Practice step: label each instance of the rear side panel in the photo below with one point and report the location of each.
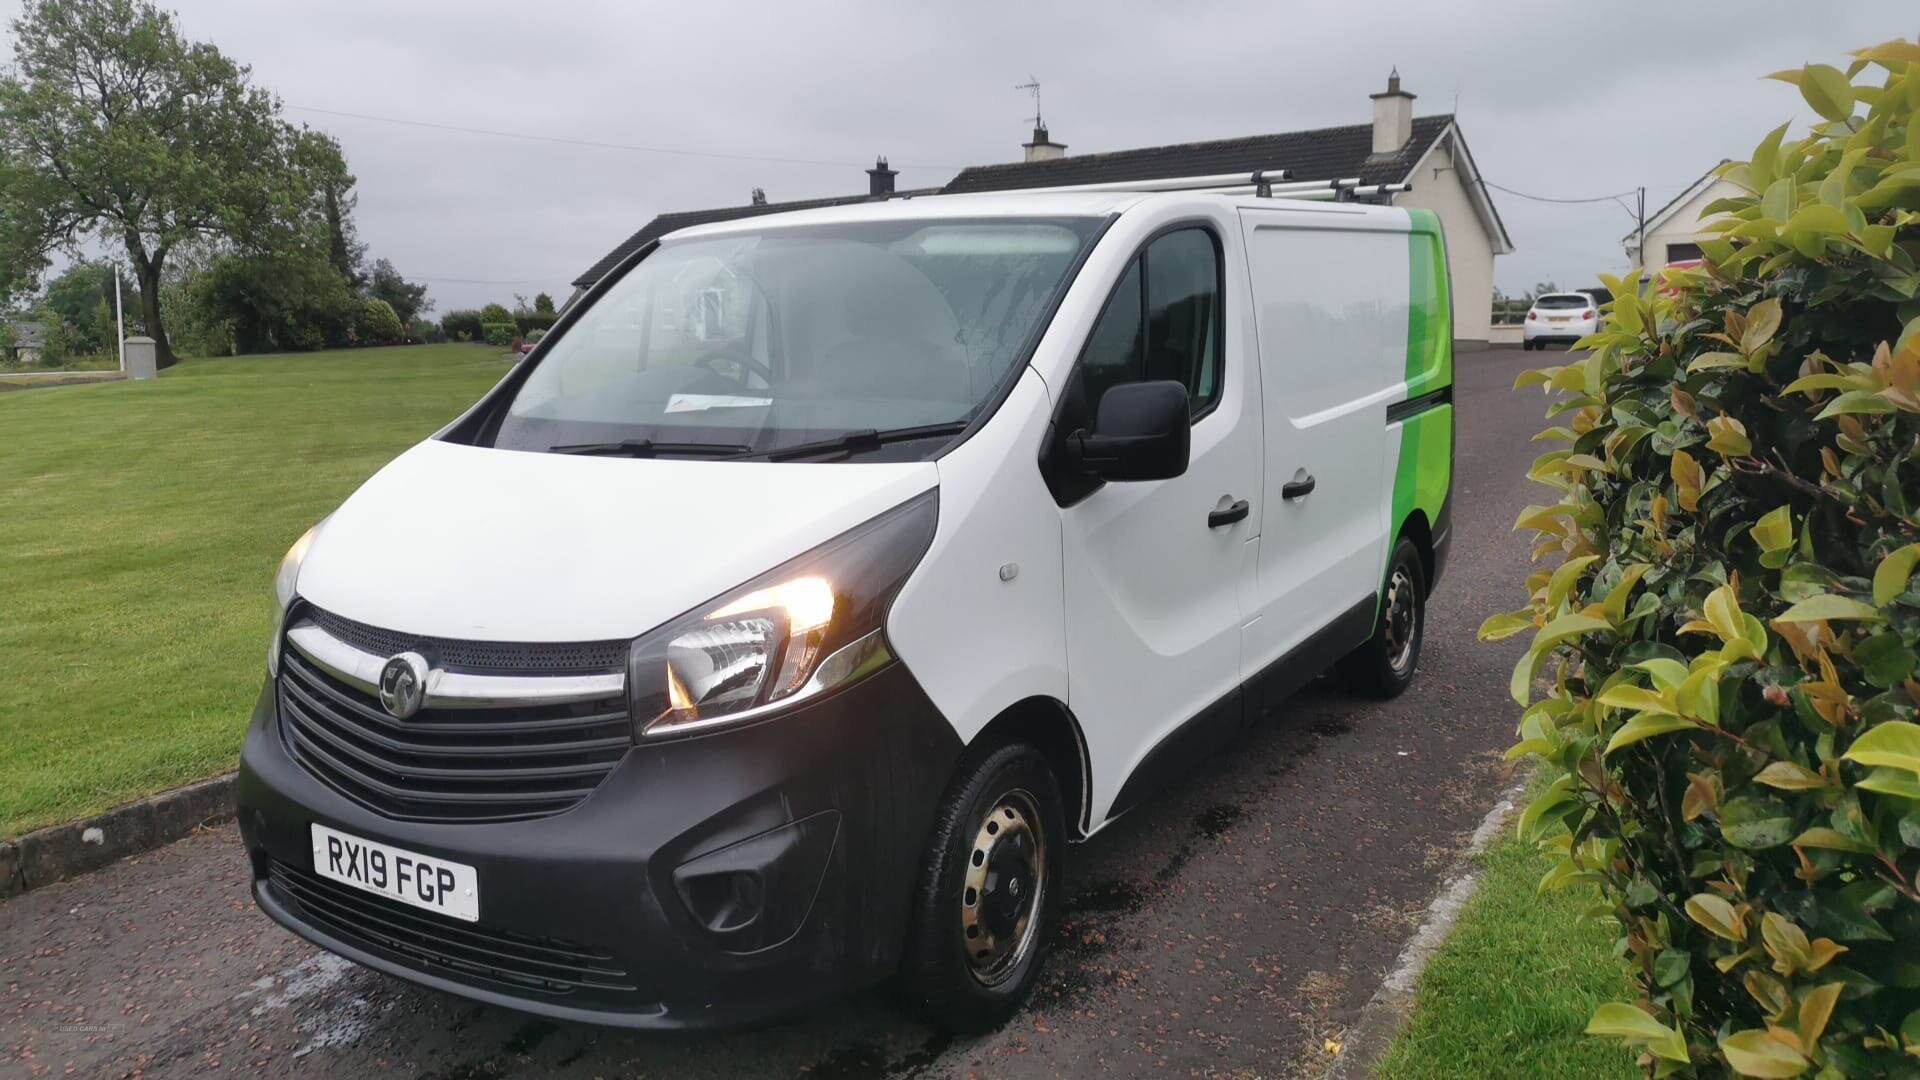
(1422, 426)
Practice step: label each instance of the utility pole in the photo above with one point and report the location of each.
(1640, 229)
(119, 318)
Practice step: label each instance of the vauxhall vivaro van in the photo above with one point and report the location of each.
(774, 625)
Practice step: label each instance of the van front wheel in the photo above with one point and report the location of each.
(988, 895)
(1384, 666)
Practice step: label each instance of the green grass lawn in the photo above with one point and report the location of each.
(1513, 986)
(140, 525)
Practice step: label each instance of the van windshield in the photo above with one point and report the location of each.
(753, 343)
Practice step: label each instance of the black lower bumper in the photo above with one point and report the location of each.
(708, 882)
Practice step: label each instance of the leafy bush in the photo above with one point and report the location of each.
(462, 325)
(425, 332)
(378, 325)
(500, 333)
(1728, 642)
(495, 313)
(529, 321)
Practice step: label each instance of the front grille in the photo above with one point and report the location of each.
(466, 952)
(448, 765)
(476, 657)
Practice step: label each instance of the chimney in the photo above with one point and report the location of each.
(759, 196)
(880, 178)
(1392, 117)
(1043, 148)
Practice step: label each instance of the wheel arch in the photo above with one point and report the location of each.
(1418, 529)
(1050, 727)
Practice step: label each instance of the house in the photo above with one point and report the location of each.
(1674, 232)
(1427, 152)
(23, 346)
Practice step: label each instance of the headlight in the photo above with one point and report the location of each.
(285, 582)
(799, 630)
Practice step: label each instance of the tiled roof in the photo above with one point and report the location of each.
(1322, 154)
(666, 223)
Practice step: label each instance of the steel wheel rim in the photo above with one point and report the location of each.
(1005, 887)
(1400, 624)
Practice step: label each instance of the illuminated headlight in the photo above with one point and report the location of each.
(285, 587)
(807, 627)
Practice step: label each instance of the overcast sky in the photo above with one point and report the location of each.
(1555, 99)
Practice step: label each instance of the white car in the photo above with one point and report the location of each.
(1561, 318)
(773, 627)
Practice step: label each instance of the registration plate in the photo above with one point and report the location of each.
(424, 881)
(1559, 318)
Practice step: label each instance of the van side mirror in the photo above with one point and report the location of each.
(1141, 431)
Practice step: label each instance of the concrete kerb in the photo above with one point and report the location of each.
(59, 852)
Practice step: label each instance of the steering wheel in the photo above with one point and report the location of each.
(734, 356)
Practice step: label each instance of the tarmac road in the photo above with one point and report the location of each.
(1227, 927)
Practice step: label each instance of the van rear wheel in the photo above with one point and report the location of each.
(1384, 666)
(988, 894)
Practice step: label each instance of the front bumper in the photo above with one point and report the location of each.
(708, 882)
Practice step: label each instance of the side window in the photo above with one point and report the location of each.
(1161, 322)
(1183, 313)
(1113, 352)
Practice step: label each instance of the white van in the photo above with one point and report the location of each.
(772, 628)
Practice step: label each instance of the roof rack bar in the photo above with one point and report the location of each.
(1173, 183)
(1263, 183)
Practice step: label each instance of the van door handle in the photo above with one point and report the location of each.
(1236, 512)
(1296, 489)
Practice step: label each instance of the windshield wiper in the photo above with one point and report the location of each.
(866, 439)
(646, 448)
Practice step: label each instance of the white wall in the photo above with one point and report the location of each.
(1469, 248)
(1682, 226)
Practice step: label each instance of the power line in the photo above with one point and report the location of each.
(1545, 199)
(564, 141)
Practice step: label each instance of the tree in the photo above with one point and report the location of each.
(83, 297)
(113, 125)
(378, 325)
(289, 301)
(543, 303)
(322, 168)
(405, 298)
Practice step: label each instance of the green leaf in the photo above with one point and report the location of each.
(1615, 605)
(1774, 530)
(1776, 200)
(1717, 916)
(1559, 794)
(1828, 90)
(1885, 659)
(1506, 624)
(1629, 1023)
(1763, 319)
(1564, 577)
(1722, 610)
(1855, 401)
(1831, 839)
(1829, 380)
(1824, 606)
(1755, 1053)
(1790, 777)
(1729, 437)
(1645, 726)
(1755, 823)
(1889, 781)
(1667, 673)
(1893, 744)
(1890, 577)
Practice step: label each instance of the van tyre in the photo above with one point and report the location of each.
(1384, 666)
(988, 894)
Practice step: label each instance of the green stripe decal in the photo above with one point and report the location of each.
(1425, 468)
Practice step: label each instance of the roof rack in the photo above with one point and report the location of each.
(1264, 183)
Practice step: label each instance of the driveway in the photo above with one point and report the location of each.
(1229, 926)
